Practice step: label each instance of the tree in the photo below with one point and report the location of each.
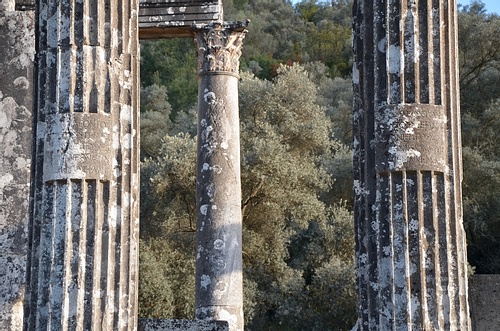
(155, 118)
(166, 255)
(482, 211)
(289, 235)
(479, 49)
(171, 63)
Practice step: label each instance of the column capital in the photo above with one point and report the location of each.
(218, 47)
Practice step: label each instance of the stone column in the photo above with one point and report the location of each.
(219, 290)
(84, 228)
(17, 53)
(410, 242)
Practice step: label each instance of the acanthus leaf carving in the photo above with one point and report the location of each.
(219, 46)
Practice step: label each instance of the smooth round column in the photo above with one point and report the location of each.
(219, 285)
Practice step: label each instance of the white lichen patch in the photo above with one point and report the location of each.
(219, 244)
(203, 210)
(411, 128)
(359, 188)
(5, 180)
(205, 281)
(116, 135)
(22, 83)
(217, 169)
(220, 289)
(394, 60)
(7, 112)
(355, 143)
(200, 249)
(127, 141)
(355, 74)
(387, 250)
(232, 319)
(125, 113)
(22, 163)
(210, 190)
(382, 45)
(413, 225)
(209, 97)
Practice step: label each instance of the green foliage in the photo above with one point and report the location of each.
(171, 63)
(330, 43)
(168, 230)
(294, 230)
(282, 34)
(307, 10)
(480, 132)
(482, 210)
(155, 118)
(296, 163)
(161, 292)
(285, 137)
(169, 185)
(479, 50)
(155, 294)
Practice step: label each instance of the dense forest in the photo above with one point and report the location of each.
(295, 112)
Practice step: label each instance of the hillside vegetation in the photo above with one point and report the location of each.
(295, 112)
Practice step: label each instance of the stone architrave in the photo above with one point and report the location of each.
(219, 290)
(17, 54)
(410, 242)
(83, 265)
(175, 18)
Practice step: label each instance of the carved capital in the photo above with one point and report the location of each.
(218, 47)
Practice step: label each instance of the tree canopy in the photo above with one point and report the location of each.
(479, 50)
(296, 132)
(296, 237)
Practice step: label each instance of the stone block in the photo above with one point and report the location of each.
(175, 18)
(149, 324)
(484, 299)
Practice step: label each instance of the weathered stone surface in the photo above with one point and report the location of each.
(219, 289)
(17, 52)
(181, 325)
(84, 228)
(175, 18)
(410, 242)
(25, 4)
(484, 298)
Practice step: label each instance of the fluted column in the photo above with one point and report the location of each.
(410, 242)
(84, 227)
(17, 54)
(219, 289)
